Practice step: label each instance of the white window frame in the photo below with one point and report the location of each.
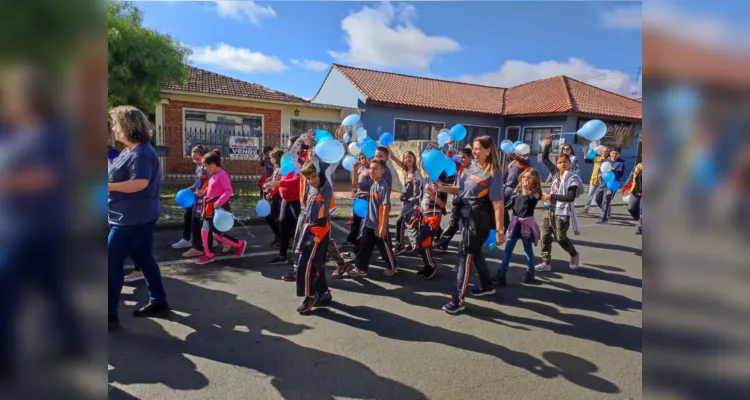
(523, 133)
(520, 130)
(185, 110)
(393, 132)
(499, 129)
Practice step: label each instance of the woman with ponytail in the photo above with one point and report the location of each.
(482, 209)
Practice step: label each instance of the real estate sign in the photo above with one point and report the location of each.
(244, 148)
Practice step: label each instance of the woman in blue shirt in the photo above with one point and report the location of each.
(134, 184)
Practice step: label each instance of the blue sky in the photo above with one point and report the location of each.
(288, 46)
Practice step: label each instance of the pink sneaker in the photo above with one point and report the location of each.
(543, 268)
(575, 261)
(239, 250)
(205, 259)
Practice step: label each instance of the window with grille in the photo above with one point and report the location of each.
(300, 126)
(513, 133)
(535, 136)
(214, 129)
(416, 130)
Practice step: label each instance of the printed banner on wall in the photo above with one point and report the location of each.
(244, 148)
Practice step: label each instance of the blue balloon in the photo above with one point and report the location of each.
(321, 135)
(347, 138)
(263, 208)
(361, 141)
(458, 132)
(386, 139)
(593, 130)
(348, 163)
(434, 164)
(287, 168)
(443, 138)
(223, 221)
(608, 176)
(369, 148)
(360, 208)
(591, 154)
(361, 133)
(185, 198)
(507, 147)
(330, 151)
(516, 144)
(613, 185)
(449, 167)
(432, 157)
(350, 120)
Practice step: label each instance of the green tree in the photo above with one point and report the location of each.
(141, 61)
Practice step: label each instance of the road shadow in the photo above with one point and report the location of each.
(608, 246)
(560, 269)
(218, 326)
(580, 372)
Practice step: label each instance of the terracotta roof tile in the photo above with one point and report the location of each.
(588, 99)
(391, 88)
(202, 81)
(543, 96)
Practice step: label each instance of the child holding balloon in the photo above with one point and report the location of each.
(431, 212)
(409, 195)
(191, 226)
(462, 172)
(611, 173)
(218, 193)
(273, 195)
(603, 154)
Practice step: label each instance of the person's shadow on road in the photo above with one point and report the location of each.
(218, 326)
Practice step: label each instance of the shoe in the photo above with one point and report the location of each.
(192, 253)
(380, 259)
(398, 248)
(638, 232)
(307, 304)
(586, 210)
(528, 277)
(290, 276)
(543, 267)
(340, 272)
(152, 310)
(390, 271)
(226, 248)
(134, 277)
(499, 278)
(355, 273)
(601, 221)
(479, 291)
(181, 244)
(347, 245)
(349, 222)
(348, 254)
(240, 250)
(430, 273)
(112, 321)
(575, 261)
(324, 300)
(452, 308)
(205, 259)
(278, 260)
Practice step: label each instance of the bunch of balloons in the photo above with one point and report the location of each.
(185, 198)
(609, 177)
(595, 149)
(223, 221)
(593, 130)
(436, 163)
(507, 147)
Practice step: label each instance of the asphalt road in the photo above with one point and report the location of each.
(235, 334)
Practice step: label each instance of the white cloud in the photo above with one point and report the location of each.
(385, 37)
(237, 59)
(310, 64)
(623, 17)
(244, 10)
(515, 72)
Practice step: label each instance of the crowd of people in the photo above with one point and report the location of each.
(489, 199)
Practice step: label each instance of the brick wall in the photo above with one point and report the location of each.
(176, 163)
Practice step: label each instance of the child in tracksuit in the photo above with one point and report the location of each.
(314, 238)
(375, 230)
(466, 159)
(409, 196)
(430, 214)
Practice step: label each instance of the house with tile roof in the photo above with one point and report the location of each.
(416, 108)
(213, 109)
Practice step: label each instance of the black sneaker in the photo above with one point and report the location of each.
(430, 273)
(423, 271)
(529, 277)
(307, 304)
(442, 245)
(290, 276)
(452, 308)
(112, 321)
(479, 292)
(152, 310)
(324, 299)
(278, 260)
(499, 278)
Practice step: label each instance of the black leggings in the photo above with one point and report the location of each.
(354, 230)
(288, 216)
(273, 218)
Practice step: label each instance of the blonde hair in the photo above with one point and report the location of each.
(536, 187)
(134, 124)
(492, 165)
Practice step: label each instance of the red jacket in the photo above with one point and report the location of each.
(289, 187)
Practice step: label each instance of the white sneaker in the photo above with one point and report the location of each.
(380, 259)
(134, 277)
(181, 244)
(543, 268)
(575, 261)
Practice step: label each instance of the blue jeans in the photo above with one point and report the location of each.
(136, 241)
(510, 245)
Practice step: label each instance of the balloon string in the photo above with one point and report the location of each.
(243, 225)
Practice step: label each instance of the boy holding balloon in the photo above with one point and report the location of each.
(609, 183)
